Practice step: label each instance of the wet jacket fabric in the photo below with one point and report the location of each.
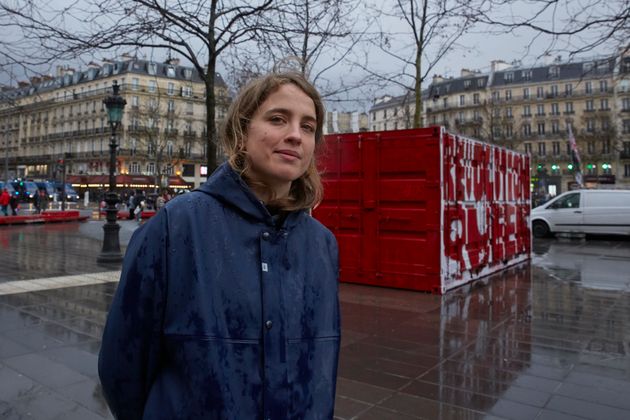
(221, 314)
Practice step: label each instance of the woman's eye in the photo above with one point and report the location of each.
(277, 119)
(309, 128)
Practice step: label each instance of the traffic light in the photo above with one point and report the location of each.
(554, 167)
(570, 166)
(589, 166)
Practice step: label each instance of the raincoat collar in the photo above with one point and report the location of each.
(227, 186)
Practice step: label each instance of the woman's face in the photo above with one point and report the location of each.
(280, 138)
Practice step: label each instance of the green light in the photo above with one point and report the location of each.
(606, 166)
(570, 166)
(555, 167)
(589, 166)
(540, 166)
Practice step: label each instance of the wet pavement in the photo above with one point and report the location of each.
(548, 339)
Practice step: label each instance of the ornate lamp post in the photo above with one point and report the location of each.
(111, 243)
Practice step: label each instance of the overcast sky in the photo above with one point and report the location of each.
(477, 49)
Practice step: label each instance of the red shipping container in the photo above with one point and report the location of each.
(424, 209)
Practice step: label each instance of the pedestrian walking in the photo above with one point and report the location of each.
(5, 199)
(37, 202)
(131, 205)
(227, 305)
(13, 202)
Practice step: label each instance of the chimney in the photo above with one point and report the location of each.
(35, 80)
(23, 84)
(498, 65)
(467, 72)
(93, 65)
(437, 79)
(172, 61)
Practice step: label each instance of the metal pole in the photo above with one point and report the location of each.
(6, 156)
(111, 243)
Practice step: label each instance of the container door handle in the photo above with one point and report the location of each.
(577, 211)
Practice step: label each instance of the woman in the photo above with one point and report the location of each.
(227, 305)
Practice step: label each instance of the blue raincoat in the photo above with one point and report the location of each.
(223, 314)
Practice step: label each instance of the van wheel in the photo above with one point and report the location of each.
(540, 229)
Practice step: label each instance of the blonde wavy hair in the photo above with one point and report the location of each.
(306, 191)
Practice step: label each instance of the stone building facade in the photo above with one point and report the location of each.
(530, 109)
(62, 118)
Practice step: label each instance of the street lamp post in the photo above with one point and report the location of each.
(111, 243)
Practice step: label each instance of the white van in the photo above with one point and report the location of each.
(584, 211)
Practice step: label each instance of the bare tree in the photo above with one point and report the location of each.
(433, 28)
(573, 27)
(198, 30)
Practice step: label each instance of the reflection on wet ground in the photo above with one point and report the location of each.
(546, 340)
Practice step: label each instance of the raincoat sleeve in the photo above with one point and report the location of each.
(130, 350)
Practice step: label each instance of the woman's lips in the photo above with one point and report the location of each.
(291, 154)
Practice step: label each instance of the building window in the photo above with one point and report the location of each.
(152, 85)
(509, 77)
(480, 83)
(187, 91)
(508, 95)
(568, 108)
(135, 83)
(152, 69)
(625, 104)
(603, 85)
(135, 101)
(540, 110)
(626, 126)
(508, 112)
(554, 71)
(607, 170)
(606, 146)
(555, 109)
(554, 91)
(590, 147)
(589, 105)
(527, 111)
(626, 148)
(605, 122)
(527, 130)
(509, 131)
(626, 170)
(189, 108)
(132, 146)
(603, 105)
(568, 89)
(496, 131)
(541, 149)
(445, 102)
(540, 92)
(462, 100)
(151, 168)
(556, 148)
(170, 71)
(476, 99)
(171, 105)
(384, 113)
(526, 75)
(171, 88)
(151, 149)
(528, 148)
(134, 168)
(169, 149)
(467, 84)
(590, 125)
(555, 127)
(525, 93)
(541, 129)
(588, 87)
